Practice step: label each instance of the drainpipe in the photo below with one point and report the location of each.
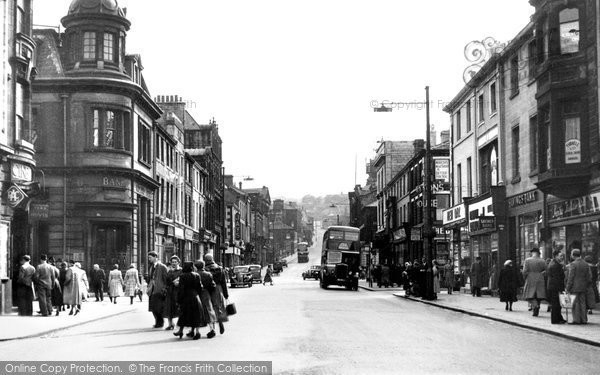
(597, 47)
(64, 98)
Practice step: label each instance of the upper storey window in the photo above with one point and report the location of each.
(109, 47)
(89, 45)
(569, 30)
(110, 129)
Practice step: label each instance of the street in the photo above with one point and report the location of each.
(306, 330)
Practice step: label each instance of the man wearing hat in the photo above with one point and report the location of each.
(157, 288)
(25, 286)
(580, 276)
(556, 284)
(535, 288)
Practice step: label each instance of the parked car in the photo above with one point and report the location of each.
(240, 276)
(311, 273)
(255, 271)
(277, 267)
(284, 262)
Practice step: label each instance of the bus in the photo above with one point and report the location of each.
(340, 257)
(303, 252)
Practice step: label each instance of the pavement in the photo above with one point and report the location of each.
(13, 326)
(489, 307)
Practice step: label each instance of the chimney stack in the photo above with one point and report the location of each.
(445, 136)
(418, 144)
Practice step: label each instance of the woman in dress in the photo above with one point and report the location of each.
(71, 289)
(436, 277)
(208, 287)
(132, 282)
(171, 310)
(115, 284)
(191, 311)
(508, 284)
(268, 276)
(84, 285)
(220, 294)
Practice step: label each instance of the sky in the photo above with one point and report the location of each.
(292, 83)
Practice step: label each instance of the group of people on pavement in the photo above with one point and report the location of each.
(195, 293)
(548, 280)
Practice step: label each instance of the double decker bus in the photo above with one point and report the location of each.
(340, 257)
(303, 252)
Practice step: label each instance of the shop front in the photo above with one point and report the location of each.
(455, 221)
(574, 224)
(525, 225)
(400, 246)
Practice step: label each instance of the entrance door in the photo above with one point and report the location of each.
(110, 246)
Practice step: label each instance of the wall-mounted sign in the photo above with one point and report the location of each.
(415, 234)
(454, 214)
(15, 196)
(572, 141)
(21, 172)
(39, 210)
(523, 199)
(442, 169)
(400, 234)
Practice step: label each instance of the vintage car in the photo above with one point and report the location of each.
(311, 273)
(240, 276)
(284, 262)
(255, 270)
(277, 267)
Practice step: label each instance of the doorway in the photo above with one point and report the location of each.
(110, 246)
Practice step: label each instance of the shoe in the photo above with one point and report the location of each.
(549, 309)
(158, 326)
(169, 328)
(536, 311)
(590, 312)
(178, 334)
(71, 312)
(57, 311)
(211, 334)
(221, 328)
(77, 311)
(562, 322)
(506, 307)
(190, 334)
(197, 336)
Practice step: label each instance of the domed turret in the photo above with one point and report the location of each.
(96, 6)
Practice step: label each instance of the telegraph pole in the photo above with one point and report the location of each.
(427, 227)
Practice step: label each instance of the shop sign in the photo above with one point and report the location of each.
(441, 234)
(21, 172)
(454, 214)
(170, 231)
(160, 229)
(196, 237)
(15, 196)
(483, 223)
(39, 210)
(115, 183)
(143, 191)
(189, 234)
(442, 169)
(237, 226)
(415, 234)
(179, 233)
(400, 234)
(588, 204)
(523, 199)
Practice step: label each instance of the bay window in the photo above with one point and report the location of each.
(569, 30)
(110, 129)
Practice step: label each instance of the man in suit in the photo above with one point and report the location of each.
(535, 288)
(476, 277)
(157, 288)
(97, 278)
(44, 274)
(25, 287)
(578, 280)
(556, 284)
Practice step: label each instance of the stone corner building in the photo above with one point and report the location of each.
(95, 122)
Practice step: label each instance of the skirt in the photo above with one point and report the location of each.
(115, 288)
(192, 313)
(218, 303)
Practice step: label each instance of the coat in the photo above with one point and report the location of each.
(579, 277)
(157, 288)
(508, 283)
(268, 276)
(132, 282)
(44, 274)
(188, 297)
(115, 283)
(97, 278)
(171, 309)
(220, 293)
(556, 277)
(477, 275)
(73, 284)
(208, 288)
(534, 279)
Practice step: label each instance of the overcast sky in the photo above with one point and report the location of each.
(290, 83)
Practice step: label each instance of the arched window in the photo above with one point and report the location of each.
(569, 30)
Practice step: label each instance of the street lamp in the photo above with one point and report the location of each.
(428, 232)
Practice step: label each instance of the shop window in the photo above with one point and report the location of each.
(89, 45)
(110, 129)
(529, 234)
(569, 30)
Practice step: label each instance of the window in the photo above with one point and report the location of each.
(19, 112)
(572, 128)
(544, 47)
(545, 140)
(569, 30)
(480, 108)
(532, 59)
(468, 113)
(514, 75)
(21, 20)
(493, 104)
(144, 146)
(515, 152)
(533, 142)
(89, 45)
(110, 129)
(469, 179)
(109, 47)
(74, 47)
(459, 181)
(458, 125)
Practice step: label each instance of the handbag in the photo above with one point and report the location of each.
(230, 308)
(566, 300)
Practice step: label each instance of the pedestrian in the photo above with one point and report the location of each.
(477, 277)
(556, 284)
(578, 281)
(436, 277)
(405, 277)
(157, 289)
(268, 276)
(188, 297)
(62, 277)
(493, 281)
(385, 275)
(449, 275)
(84, 285)
(415, 278)
(44, 278)
(208, 288)
(508, 284)
(171, 306)
(132, 283)
(57, 298)
(592, 291)
(534, 290)
(115, 284)
(221, 294)
(72, 289)
(97, 278)
(25, 287)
